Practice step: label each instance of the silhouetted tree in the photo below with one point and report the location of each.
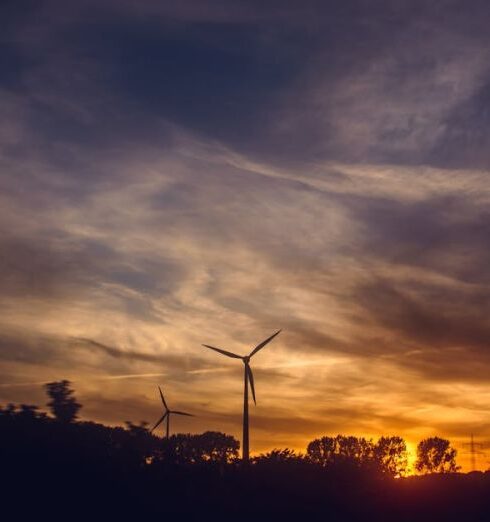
(137, 430)
(9, 410)
(140, 444)
(215, 446)
(321, 451)
(180, 448)
(280, 456)
(436, 455)
(62, 404)
(341, 449)
(356, 449)
(390, 453)
(211, 446)
(28, 411)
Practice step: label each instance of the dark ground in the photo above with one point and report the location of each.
(86, 471)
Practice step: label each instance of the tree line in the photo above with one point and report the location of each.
(388, 455)
(56, 466)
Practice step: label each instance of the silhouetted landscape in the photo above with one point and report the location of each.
(244, 260)
(57, 467)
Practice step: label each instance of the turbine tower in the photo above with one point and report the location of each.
(248, 378)
(167, 413)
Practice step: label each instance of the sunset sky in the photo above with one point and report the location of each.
(175, 173)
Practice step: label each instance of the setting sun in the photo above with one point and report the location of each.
(181, 181)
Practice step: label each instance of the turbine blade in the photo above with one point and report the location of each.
(263, 343)
(250, 376)
(183, 413)
(224, 352)
(163, 400)
(159, 422)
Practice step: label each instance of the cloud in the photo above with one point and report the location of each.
(167, 361)
(173, 175)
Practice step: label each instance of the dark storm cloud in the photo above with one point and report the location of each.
(283, 81)
(58, 266)
(162, 361)
(174, 173)
(36, 268)
(57, 352)
(446, 233)
(450, 328)
(445, 316)
(115, 73)
(19, 347)
(465, 140)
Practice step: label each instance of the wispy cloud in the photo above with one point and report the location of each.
(313, 181)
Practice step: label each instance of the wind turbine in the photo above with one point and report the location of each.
(248, 378)
(167, 414)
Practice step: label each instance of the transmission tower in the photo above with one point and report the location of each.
(474, 449)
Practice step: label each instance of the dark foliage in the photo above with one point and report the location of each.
(341, 450)
(210, 447)
(82, 470)
(62, 404)
(279, 457)
(435, 455)
(388, 455)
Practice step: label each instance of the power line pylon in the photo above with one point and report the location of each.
(474, 448)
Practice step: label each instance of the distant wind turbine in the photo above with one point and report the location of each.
(248, 378)
(167, 413)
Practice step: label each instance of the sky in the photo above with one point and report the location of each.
(209, 171)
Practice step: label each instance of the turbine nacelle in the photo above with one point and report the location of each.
(249, 377)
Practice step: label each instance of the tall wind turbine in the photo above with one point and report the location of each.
(248, 378)
(167, 413)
